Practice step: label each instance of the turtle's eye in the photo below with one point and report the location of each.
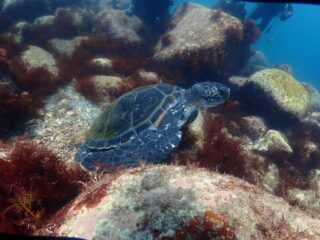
(211, 92)
(216, 94)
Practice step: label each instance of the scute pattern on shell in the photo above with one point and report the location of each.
(132, 112)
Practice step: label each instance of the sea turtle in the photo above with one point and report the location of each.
(145, 124)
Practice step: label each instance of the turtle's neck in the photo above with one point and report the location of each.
(191, 97)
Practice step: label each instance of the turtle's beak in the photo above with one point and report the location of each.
(224, 93)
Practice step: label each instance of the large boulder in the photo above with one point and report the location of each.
(31, 9)
(64, 23)
(44, 20)
(202, 39)
(67, 46)
(273, 94)
(273, 142)
(312, 119)
(117, 25)
(286, 92)
(36, 57)
(119, 4)
(172, 202)
(314, 97)
(106, 86)
(257, 62)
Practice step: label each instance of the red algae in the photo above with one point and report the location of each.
(294, 170)
(39, 82)
(11, 46)
(220, 151)
(64, 26)
(127, 60)
(251, 32)
(15, 109)
(95, 192)
(301, 136)
(128, 67)
(93, 198)
(86, 87)
(4, 59)
(210, 226)
(22, 93)
(16, 106)
(21, 98)
(101, 46)
(281, 230)
(34, 184)
(124, 87)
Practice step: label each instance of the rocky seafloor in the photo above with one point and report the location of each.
(248, 169)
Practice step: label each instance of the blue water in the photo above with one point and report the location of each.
(295, 42)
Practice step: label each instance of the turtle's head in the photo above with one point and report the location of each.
(207, 94)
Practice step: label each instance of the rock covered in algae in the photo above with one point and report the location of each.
(119, 4)
(314, 97)
(67, 46)
(255, 127)
(36, 57)
(201, 37)
(271, 179)
(156, 202)
(31, 9)
(286, 92)
(308, 199)
(312, 119)
(44, 20)
(106, 85)
(273, 142)
(256, 62)
(101, 63)
(117, 25)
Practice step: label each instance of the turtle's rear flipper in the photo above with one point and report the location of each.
(153, 145)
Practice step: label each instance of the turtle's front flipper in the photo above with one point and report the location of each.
(159, 143)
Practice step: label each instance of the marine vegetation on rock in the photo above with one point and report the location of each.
(127, 61)
(206, 47)
(288, 93)
(34, 184)
(268, 134)
(273, 94)
(172, 202)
